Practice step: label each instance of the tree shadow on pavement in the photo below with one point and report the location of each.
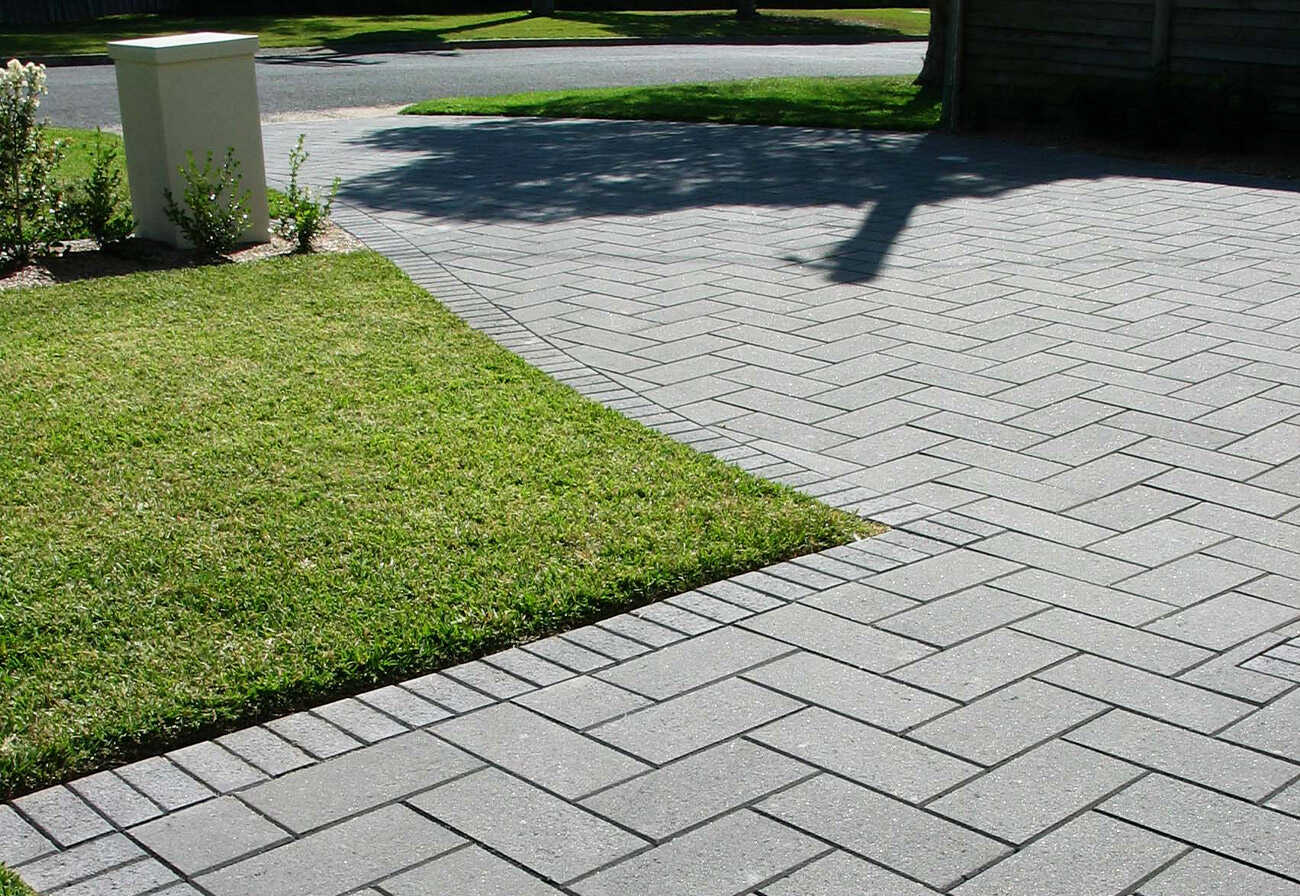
(871, 183)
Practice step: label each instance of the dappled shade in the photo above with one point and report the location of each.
(495, 170)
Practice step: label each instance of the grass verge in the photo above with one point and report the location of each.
(883, 102)
(235, 490)
(428, 30)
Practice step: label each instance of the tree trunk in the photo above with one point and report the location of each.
(543, 7)
(747, 9)
(936, 55)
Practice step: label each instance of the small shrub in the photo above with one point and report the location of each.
(31, 209)
(216, 214)
(300, 212)
(98, 204)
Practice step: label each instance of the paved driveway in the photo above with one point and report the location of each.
(1072, 386)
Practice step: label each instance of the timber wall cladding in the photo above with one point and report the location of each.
(1153, 63)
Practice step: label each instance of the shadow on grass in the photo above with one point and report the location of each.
(551, 171)
(725, 25)
(413, 38)
(891, 103)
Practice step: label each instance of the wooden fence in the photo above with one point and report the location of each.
(1212, 65)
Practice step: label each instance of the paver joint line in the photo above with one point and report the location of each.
(1072, 665)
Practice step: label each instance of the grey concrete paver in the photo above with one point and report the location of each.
(61, 815)
(1145, 692)
(1035, 791)
(1260, 836)
(1273, 729)
(116, 800)
(850, 691)
(1206, 761)
(339, 859)
(467, 872)
(915, 843)
(1200, 873)
(346, 785)
(697, 788)
(867, 755)
(730, 855)
(134, 879)
(1069, 384)
(556, 839)
(534, 747)
(1091, 854)
(19, 841)
(215, 766)
(85, 861)
(1008, 721)
(209, 834)
(691, 721)
(975, 667)
(840, 874)
(840, 639)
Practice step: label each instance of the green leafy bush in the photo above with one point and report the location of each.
(98, 204)
(300, 212)
(31, 208)
(215, 214)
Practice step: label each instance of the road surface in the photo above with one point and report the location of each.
(302, 84)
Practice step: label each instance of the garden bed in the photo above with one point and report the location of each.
(83, 260)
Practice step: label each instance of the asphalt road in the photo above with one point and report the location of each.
(297, 84)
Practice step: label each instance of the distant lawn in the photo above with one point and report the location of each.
(78, 152)
(235, 490)
(884, 102)
(417, 30)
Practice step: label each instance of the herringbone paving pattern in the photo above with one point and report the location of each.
(1071, 385)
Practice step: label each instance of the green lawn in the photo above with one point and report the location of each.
(885, 102)
(428, 30)
(78, 147)
(10, 885)
(234, 490)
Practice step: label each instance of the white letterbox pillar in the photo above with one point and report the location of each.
(188, 93)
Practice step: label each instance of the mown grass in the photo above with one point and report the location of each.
(431, 30)
(11, 885)
(78, 152)
(883, 102)
(234, 490)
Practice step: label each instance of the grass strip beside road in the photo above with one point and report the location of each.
(350, 32)
(881, 102)
(236, 490)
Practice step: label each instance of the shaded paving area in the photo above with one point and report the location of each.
(1070, 384)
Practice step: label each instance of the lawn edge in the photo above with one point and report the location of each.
(126, 751)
